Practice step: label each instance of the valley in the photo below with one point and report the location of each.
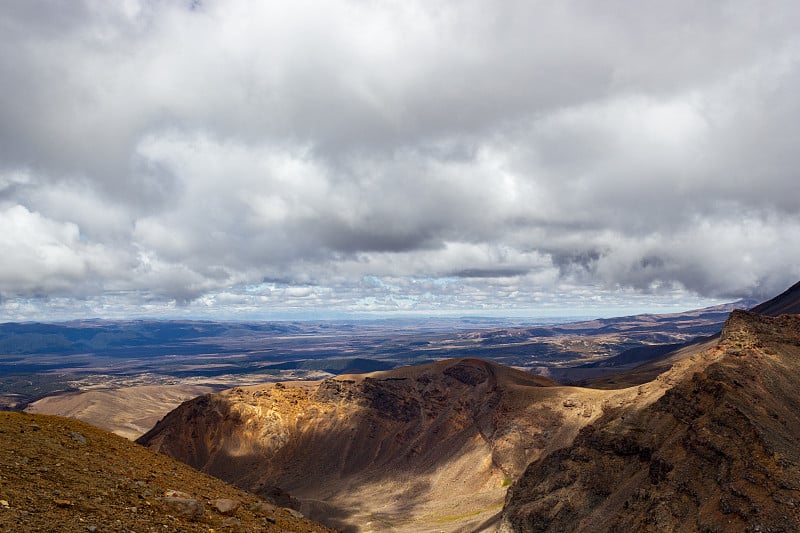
(410, 449)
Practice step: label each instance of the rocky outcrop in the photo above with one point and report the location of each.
(717, 452)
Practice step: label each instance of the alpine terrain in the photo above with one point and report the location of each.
(699, 438)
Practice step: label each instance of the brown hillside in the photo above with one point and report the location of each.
(424, 448)
(717, 452)
(58, 474)
(650, 370)
(128, 411)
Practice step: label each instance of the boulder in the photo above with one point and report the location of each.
(190, 508)
(225, 506)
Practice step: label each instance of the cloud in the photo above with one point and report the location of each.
(170, 157)
(41, 256)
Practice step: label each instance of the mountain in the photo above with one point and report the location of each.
(424, 448)
(717, 452)
(652, 327)
(787, 302)
(58, 474)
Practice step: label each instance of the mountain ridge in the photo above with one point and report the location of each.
(717, 452)
(788, 302)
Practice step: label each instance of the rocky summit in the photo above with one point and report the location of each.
(58, 474)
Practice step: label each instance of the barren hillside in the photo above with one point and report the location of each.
(128, 412)
(787, 302)
(58, 474)
(424, 448)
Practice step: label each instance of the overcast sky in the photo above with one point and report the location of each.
(255, 159)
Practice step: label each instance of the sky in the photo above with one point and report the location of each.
(258, 159)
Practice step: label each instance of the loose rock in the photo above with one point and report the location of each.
(172, 493)
(232, 522)
(225, 506)
(261, 507)
(185, 507)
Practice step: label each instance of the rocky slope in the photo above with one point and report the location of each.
(717, 452)
(424, 448)
(58, 474)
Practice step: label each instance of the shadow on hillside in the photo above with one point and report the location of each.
(329, 515)
(341, 518)
(337, 501)
(336, 472)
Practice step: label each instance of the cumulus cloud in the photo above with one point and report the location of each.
(243, 158)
